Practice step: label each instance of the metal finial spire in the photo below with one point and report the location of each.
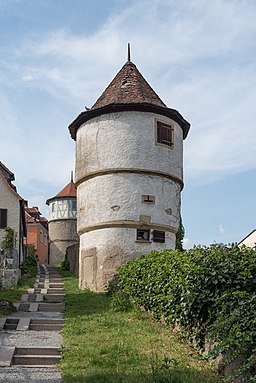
(71, 175)
(129, 52)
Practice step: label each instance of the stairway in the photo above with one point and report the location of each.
(30, 337)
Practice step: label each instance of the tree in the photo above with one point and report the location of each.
(179, 236)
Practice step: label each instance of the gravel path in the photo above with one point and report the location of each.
(19, 374)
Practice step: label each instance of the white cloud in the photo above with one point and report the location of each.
(186, 242)
(198, 56)
(221, 229)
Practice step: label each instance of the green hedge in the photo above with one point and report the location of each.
(209, 292)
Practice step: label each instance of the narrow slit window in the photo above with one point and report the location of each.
(148, 198)
(143, 235)
(158, 236)
(164, 134)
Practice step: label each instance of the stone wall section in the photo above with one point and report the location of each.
(63, 233)
(72, 255)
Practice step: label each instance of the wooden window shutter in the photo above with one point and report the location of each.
(3, 218)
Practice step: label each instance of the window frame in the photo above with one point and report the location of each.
(158, 236)
(159, 135)
(147, 240)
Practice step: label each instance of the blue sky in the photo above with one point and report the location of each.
(57, 56)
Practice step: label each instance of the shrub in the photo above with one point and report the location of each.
(29, 266)
(207, 292)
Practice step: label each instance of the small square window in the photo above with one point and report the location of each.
(158, 236)
(164, 133)
(143, 235)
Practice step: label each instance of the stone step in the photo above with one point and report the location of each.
(54, 297)
(36, 357)
(54, 307)
(6, 355)
(24, 324)
(10, 324)
(46, 327)
(46, 324)
(33, 307)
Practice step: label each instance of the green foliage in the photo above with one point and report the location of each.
(8, 240)
(29, 266)
(207, 292)
(65, 266)
(14, 294)
(105, 346)
(180, 236)
(31, 250)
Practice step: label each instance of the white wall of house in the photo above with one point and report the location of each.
(10, 201)
(249, 241)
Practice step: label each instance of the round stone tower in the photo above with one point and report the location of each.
(62, 222)
(129, 175)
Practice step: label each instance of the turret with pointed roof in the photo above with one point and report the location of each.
(62, 222)
(128, 91)
(129, 175)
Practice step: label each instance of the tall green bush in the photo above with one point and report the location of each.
(208, 292)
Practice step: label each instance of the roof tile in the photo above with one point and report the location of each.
(128, 86)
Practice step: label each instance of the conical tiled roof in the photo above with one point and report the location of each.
(68, 191)
(128, 91)
(128, 86)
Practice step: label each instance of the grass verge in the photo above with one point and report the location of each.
(14, 294)
(103, 346)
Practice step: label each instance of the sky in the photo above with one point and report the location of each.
(58, 56)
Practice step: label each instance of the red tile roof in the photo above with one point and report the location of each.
(128, 91)
(30, 218)
(32, 210)
(68, 191)
(128, 86)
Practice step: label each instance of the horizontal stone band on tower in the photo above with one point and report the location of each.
(129, 170)
(128, 224)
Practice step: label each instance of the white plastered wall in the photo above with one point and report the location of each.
(9, 201)
(127, 140)
(118, 141)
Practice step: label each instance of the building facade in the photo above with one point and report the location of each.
(249, 240)
(62, 223)
(129, 175)
(37, 233)
(12, 214)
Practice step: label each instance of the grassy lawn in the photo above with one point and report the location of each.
(101, 345)
(14, 294)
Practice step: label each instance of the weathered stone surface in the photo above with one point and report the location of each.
(9, 277)
(63, 233)
(118, 162)
(72, 255)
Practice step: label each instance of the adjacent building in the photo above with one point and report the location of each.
(12, 213)
(62, 222)
(37, 232)
(129, 176)
(249, 240)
